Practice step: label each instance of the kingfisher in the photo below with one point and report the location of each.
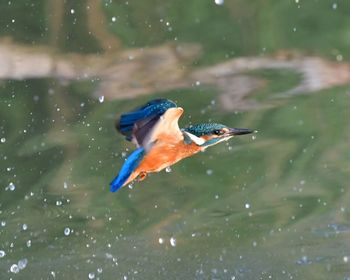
(159, 141)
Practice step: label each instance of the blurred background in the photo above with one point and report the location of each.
(271, 206)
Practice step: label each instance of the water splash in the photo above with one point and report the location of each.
(67, 231)
(11, 187)
(168, 169)
(14, 268)
(173, 241)
(22, 264)
(219, 2)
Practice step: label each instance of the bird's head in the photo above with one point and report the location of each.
(209, 134)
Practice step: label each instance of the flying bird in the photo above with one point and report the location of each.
(160, 143)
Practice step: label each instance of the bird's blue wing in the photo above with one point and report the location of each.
(140, 121)
(131, 163)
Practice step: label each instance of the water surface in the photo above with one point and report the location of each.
(271, 206)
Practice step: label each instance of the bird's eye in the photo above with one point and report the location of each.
(218, 132)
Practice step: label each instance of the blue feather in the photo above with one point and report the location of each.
(152, 109)
(131, 163)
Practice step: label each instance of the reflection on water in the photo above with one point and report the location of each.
(273, 206)
(133, 72)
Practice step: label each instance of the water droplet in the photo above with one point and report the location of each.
(91, 275)
(168, 169)
(72, 11)
(209, 172)
(219, 2)
(3, 140)
(10, 187)
(173, 241)
(2, 253)
(253, 137)
(66, 231)
(24, 227)
(247, 205)
(22, 263)
(29, 243)
(303, 260)
(161, 240)
(99, 270)
(198, 83)
(114, 19)
(58, 203)
(65, 185)
(14, 268)
(101, 98)
(346, 259)
(334, 6)
(3, 223)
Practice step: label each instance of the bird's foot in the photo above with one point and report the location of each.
(142, 176)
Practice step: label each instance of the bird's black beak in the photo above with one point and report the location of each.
(240, 131)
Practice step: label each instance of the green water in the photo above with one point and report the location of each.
(272, 206)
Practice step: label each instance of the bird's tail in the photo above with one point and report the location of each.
(129, 166)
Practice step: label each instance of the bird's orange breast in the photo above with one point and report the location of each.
(163, 155)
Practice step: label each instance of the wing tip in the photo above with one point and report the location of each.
(117, 124)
